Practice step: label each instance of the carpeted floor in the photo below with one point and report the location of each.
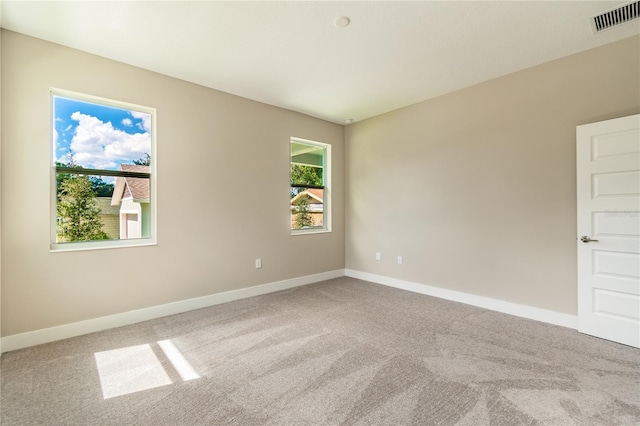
(342, 351)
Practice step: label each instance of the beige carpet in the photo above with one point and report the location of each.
(338, 352)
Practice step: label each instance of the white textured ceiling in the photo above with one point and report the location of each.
(291, 55)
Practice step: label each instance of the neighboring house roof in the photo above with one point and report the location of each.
(105, 206)
(126, 187)
(312, 195)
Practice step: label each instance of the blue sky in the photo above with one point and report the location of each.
(98, 136)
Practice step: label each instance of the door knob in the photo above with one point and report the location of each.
(586, 239)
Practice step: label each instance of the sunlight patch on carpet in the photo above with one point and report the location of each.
(182, 366)
(128, 370)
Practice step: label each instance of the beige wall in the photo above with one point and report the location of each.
(476, 189)
(213, 149)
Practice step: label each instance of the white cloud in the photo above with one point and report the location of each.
(127, 122)
(56, 143)
(68, 128)
(146, 119)
(99, 145)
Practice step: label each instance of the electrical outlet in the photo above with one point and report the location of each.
(399, 260)
(377, 255)
(258, 263)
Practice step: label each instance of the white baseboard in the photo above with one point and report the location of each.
(530, 312)
(37, 337)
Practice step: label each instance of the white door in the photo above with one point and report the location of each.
(608, 178)
(133, 227)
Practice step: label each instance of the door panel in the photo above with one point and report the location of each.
(608, 184)
(621, 184)
(610, 225)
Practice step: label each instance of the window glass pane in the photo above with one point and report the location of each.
(307, 208)
(307, 163)
(91, 208)
(101, 138)
(96, 136)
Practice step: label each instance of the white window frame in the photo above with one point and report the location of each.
(153, 199)
(326, 174)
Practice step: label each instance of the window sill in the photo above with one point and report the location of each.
(310, 231)
(102, 245)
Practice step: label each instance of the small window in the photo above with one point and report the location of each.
(310, 189)
(103, 173)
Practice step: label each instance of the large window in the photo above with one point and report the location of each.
(310, 189)
(103, 180)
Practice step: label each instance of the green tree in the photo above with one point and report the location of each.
(303, 218)
(78, 213)
(61, 177)
(99, 186)
(144, 161)
(305, 175)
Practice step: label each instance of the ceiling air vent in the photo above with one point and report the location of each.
(617, 16)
